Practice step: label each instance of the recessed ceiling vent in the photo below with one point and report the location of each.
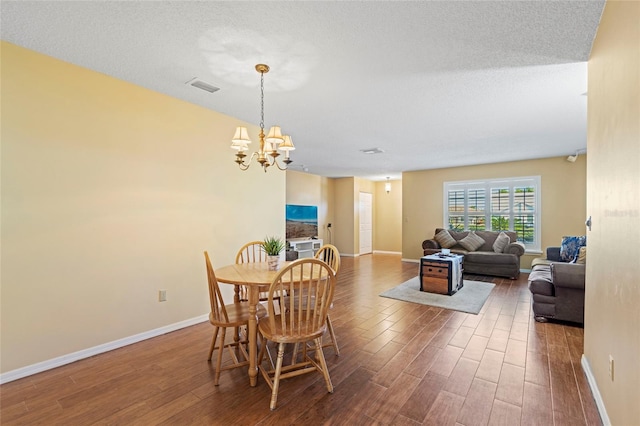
(203, 85)
(372, 151)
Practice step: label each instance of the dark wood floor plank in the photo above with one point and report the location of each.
(462, 337)
(516, 353)
(511, 384)
(475, 348)
(447, 360)
(423, 362)
(390, 402)
(393, 369)
(401, 363)
(498, 340)
(383, 356)
(566, 398)
(476, 409)
(490, 366)
(461, 377)
(445, 409)
(485, 327)
(537, 369)
(504, 414)
(423, 397)
(536, 405)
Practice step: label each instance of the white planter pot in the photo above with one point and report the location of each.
(274, 262)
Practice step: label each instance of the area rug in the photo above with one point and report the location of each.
(470, 298)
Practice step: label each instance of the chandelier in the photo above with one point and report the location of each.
(267, 154)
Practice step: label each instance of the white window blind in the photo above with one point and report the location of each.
(495, 205)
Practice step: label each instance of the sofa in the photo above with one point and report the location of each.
(557, 286)
(494, 253)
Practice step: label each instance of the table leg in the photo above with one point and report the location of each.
(253, 334)
(236, 299)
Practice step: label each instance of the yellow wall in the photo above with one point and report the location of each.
(387, 227)
(612, 302)
(111, 192)
(338, 204)
(563, 199)
(313, 190)
(343, 229)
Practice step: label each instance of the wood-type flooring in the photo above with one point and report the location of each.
(400, 364)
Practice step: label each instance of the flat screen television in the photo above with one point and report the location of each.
(302, 221)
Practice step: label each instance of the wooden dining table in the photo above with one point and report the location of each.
(256, 277)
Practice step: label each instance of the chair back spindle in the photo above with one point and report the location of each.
(330, 255)
(252, 252)
(218, 309)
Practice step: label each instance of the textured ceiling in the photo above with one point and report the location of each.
(432, 84)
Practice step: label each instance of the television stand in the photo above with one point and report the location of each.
(305, 247)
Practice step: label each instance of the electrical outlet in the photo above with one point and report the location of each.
(611, 371)
(162, 295)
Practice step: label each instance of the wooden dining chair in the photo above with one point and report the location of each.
(293, 318)
(330, 255)
(252, 252)
(227, 316)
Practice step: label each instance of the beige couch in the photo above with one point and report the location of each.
(485, 260)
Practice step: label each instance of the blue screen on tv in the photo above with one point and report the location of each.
(302, 221)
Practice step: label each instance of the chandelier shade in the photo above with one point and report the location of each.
(267, 154)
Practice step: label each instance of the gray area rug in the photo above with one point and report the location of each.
(470, 298)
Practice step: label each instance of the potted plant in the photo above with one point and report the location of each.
(273, 246)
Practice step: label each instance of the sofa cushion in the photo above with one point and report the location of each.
(570, 247)
(491, 258)
(445, 239)
(582, 255)
(502, 241)
(471, 242)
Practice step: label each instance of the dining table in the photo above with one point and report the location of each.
(256, 277)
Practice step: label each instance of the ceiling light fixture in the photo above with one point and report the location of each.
(387, 186)
(269, 146)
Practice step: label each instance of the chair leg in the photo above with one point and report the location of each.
(213, 342)
(220, 351)
(276, 377)
(332, 334)
(323, 365)
(294, 356)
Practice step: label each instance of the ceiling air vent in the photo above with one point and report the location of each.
(372, 151)
(203, 85)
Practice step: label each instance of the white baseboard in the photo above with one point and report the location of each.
(349, 255)
(411, 260)
(29, 370)
(386, 252)
(595, 391)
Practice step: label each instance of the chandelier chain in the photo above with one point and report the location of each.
(262, 101)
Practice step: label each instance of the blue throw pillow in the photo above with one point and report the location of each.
(570, 247)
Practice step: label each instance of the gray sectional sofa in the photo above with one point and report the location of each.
(557, 288)
(485, 260)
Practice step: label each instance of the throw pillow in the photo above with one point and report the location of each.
(582, 255)
(502, 241)
(445, 239)
(570, 247)
(472, 242)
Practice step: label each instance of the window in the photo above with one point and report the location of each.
(495, 205)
